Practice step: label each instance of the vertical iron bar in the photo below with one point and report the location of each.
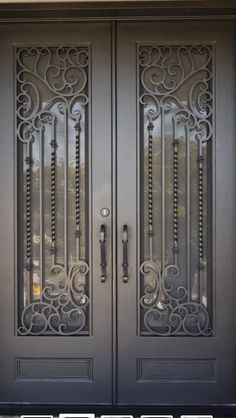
(29, 263)
(41, 205)
(200, 220)
(53, 144)
(163, 185)
(77, 186)
(66, 189)
(175, 198)
(150, 187)
(187, 139)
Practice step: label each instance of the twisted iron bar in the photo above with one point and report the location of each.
(175, 195)
(53, 144)
(150, 177)
(200, 211)
(29, 162)
(77, 183)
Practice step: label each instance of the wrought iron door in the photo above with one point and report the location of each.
(164, 116)
(57, 307)
(175, 145)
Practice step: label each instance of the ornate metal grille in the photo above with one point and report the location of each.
(176, 142)
(52, 111)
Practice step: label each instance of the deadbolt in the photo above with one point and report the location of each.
(105, 212)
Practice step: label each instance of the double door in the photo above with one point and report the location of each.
(117, 214)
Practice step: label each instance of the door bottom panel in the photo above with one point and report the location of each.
(217, 411)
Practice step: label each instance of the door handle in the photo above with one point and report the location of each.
(103, 253)
(125, 254)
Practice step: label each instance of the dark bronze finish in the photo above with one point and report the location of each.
(177, 9)
(171, 360)
(125, 254)
(167, 289)
(103, 253)
(125, 343)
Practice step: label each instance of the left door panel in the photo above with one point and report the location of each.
(55, 308)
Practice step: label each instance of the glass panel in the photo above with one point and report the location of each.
(176, 134)
(52, 107)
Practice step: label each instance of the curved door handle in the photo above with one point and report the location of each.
(103, 253)
(125, 254)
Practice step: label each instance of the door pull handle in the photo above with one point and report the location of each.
(125, 254)
(103, 253)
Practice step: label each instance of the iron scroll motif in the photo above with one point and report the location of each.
(52, 95)
(63, 308)
(176, 105)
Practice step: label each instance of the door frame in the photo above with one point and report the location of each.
(114, 11)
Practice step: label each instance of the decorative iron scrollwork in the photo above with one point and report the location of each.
(62, 311)
(52, 93)
(176, 105)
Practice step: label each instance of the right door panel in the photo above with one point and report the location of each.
(176, 162)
